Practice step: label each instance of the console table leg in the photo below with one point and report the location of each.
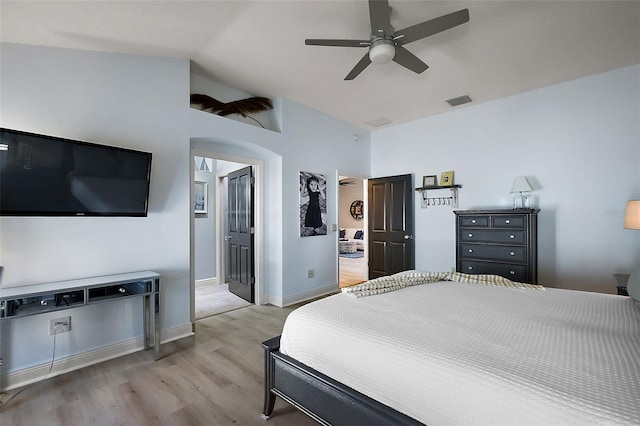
(157, 325)
(147, 321)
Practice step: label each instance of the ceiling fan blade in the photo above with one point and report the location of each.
(360, 66)
(380, 16)
(431, 27)
(337, 43)
(409, 60)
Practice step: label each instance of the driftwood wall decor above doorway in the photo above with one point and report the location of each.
(242, 107)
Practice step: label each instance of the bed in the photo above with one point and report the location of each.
(455, 352)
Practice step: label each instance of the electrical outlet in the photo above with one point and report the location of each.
(59, 325)
(310, 273)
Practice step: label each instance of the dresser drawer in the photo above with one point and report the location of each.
(492, 236)
(509, 221)
(474, 221)
(513, 272)
(504, 253)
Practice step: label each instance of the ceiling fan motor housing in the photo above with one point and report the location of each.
(382, 51)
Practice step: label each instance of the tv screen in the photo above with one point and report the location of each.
(49, 176)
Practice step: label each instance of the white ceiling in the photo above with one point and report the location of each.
(258, 47)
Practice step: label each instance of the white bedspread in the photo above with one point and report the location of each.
(458, 354)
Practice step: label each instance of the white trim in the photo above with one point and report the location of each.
(220, 269)
(305, 296)
(75, 362)
(207, 281)
(258, 206)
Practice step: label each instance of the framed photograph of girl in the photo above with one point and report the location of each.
(313, 204)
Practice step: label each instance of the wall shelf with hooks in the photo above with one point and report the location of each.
(451, 200)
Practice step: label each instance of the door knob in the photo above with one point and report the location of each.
(227, 237)
(408, 237)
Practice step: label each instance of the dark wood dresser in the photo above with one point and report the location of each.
(502, 242)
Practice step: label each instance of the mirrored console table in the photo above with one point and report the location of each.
(17, 302)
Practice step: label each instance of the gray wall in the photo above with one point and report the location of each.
(579, 141)
(205, 228)
(143, 103)
(120, 100)
(349, 194)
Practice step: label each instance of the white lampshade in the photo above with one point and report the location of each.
(520, 184)
(382, 52)
(632, 215)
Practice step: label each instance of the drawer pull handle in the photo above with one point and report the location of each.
(512, 236)
(122, 290)
(507, 221)
(470, 268)
(470, 235)
(470, 250)
(512, 272)
(512, 254)
(473, 221)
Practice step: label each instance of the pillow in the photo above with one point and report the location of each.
(633, 284)
(342, 232)
(358, 235)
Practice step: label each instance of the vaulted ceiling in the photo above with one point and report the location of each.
(506, 48)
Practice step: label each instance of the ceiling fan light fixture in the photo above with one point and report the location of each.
(382, 52)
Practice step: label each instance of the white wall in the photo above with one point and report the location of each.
(204, 86)
(579, 141)
(349, 194)
(582, 134)
(205, 229)
(121, 100)
(143, 103)
(309, 141)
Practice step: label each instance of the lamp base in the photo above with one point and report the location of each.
(518, 202)
(521, 201)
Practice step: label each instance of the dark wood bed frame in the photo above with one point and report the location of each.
(319, 396)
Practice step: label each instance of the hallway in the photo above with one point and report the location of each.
(352, 271)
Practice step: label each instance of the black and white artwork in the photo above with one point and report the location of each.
(313, 204)
(200, 196)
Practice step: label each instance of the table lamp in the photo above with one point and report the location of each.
(632, 221)
(632, 215)
(520, 185)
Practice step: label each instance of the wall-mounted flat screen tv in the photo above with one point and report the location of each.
(50, 176)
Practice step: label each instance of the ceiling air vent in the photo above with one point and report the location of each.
(460, 100)
(379, 122)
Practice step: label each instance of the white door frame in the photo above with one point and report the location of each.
(258, 211)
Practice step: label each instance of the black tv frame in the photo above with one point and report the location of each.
(143, 212)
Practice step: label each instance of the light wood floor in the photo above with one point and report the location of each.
(212, 378)
(352, 271)
(215, 299)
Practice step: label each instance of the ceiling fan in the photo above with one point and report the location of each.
(386, 44)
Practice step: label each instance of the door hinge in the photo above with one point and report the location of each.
(253, 280)
(253, 180)
(252, 230)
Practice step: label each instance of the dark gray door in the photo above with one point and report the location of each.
(391, 245)
(240, 237)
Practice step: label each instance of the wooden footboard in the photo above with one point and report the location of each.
(319, 396)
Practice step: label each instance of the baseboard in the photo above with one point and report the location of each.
(75, 362)
(207, 281)
(305, 296)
